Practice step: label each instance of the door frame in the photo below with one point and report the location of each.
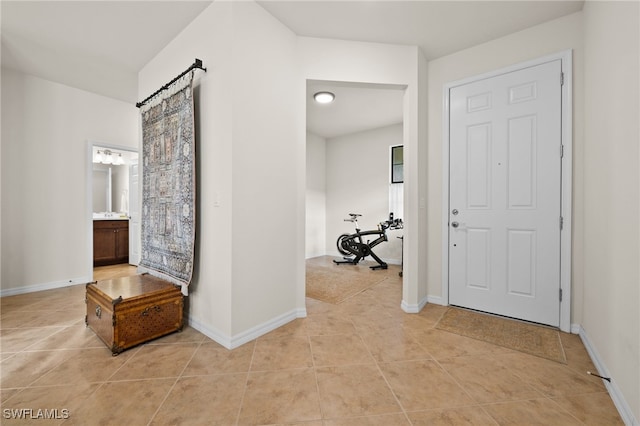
(90, 143)
(566, 58)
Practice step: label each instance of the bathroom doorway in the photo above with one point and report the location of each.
(113, 204)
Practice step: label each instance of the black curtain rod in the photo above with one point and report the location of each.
(197, 64)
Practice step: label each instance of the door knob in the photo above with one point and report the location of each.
(455, 224)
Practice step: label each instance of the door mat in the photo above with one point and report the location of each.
(509, 333)
(331, 283)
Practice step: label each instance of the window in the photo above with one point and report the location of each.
(396, 184)
(397, 164)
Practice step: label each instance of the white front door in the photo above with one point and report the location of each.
(505, 194)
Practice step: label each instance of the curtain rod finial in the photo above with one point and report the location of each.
(198, 64)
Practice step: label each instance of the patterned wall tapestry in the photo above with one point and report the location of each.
(168, 184)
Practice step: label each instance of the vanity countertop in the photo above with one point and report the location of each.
(110, 216)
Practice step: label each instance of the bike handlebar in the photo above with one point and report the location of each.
(392, 224)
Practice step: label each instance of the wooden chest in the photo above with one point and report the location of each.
(125, 312)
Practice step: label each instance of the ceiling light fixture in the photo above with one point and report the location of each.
(107, 156)
(324, 97)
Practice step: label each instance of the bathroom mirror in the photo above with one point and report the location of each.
(102, 198)
(110, 188)
(110, 179)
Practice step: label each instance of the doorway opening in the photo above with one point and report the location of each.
(349, 164)
(113, 219)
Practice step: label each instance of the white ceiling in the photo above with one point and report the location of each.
(356, 108)
(438, 27)
(100, 46)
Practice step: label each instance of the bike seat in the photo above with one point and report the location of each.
(354, 217)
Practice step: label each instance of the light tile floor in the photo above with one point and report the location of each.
(363, 362)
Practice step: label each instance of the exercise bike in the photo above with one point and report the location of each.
(353, 244)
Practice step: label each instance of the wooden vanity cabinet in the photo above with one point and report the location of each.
(110, 242)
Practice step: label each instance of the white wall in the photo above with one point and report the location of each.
(250, 198)
(337, 60)
(315, 224)
(551, 37)
(45, 131)
(266, 151)
(358, 182)
(611, 315)
(208, 38)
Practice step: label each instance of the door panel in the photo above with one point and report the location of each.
(505, 189)
(478, 188)
(521, 251)
(478, 258)
(522, 167)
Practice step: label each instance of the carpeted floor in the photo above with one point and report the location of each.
(513, 334)
(334, 284)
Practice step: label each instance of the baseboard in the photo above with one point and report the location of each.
(232, 342)
(214, 334)
(575, 328)
(414, 308)
(436, 300)
(614, 391)
(44, 286)
(311, 256)
(264, 328)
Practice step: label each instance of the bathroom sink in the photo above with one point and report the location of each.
(110, 216)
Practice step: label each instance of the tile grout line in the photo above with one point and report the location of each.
(30, 385)
(433, 327)
(563, 409)
(395, 397)
(465, 390)
(153, 416)
(386, 381)
(315, 376)
(246, 383)
(26, 349)
(137, 349)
